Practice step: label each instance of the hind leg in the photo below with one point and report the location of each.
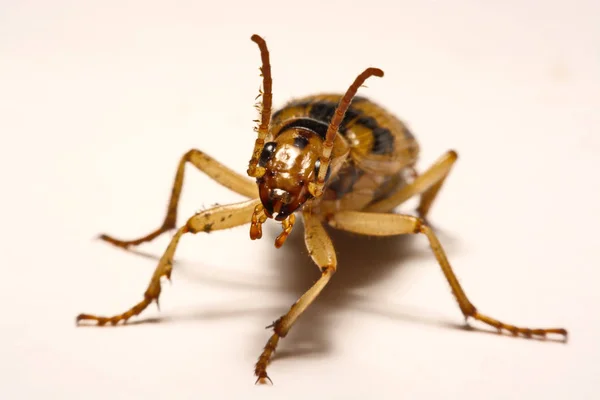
(427, 185)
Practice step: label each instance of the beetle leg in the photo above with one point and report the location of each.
(427, 185)
(217, 218)
(215, 170)
(322, 252)
(375, 224)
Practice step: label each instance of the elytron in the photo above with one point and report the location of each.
(337, 160)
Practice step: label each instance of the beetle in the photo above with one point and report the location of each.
(337, 160)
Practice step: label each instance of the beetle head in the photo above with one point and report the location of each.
(291, 161)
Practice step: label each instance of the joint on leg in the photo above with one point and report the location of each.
(277, 327)
(420, 226)
(328, 269)
(189, 228)
(188, 156)
(282, 326)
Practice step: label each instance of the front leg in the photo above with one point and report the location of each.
(374, 224)
(321, 250)
(217, 218)
(211, 167)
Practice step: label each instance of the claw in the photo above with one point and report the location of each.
(113, 241)
(263, 380)
(79, 318)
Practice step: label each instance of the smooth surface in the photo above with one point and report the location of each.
(98, 100)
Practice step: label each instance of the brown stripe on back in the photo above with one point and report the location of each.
(313, 125)
(383, 139)
(321, 108)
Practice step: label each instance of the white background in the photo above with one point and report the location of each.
(98, 100)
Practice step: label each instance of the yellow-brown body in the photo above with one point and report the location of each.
(372, 152)
(340, 160)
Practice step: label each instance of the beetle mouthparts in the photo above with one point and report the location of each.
(260, 216)
(287, 225)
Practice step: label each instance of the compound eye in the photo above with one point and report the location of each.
(267, 153)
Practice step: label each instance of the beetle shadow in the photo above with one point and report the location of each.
(363, 263)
